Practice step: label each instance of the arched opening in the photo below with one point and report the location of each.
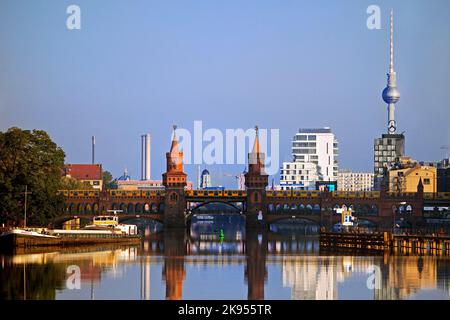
(138, 208)
(80, 208)
(374, 210)
(130, 208)
(316, 209)
(309, 209)
(278, 208)
(173, 197)
(154, 208)
(271, 208)
(161, 208)
(88, 209)
(123, 207)
(146, 208)
(95, 208)
(301, 209)
(215, 207)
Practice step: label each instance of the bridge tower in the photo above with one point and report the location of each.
(256, 182)
(174, 180)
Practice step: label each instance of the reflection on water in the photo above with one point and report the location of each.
(218, 259)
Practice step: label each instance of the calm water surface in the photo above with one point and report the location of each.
(201, 264)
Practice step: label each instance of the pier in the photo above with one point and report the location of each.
(396, 243)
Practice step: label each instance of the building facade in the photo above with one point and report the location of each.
(89, 173)
(205, 179)
(318, 146)
(407, 173)
(314, 153)
(299, 176)
(355, 181)
(387, 149)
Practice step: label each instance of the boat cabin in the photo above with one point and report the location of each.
(106, 221)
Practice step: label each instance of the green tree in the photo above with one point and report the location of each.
(107, 177)
(30, 158)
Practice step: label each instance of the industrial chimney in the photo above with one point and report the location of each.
(145, 157)
(93, 149)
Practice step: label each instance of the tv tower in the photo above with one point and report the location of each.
(391, 95)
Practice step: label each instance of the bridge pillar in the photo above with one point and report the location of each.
(174, 208)
(256, 182)
(174, 180)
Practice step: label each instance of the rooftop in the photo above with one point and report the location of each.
(315, 130)
(84, 171)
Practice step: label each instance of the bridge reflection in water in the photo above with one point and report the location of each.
(230, 262)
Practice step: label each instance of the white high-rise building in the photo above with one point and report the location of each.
(315, 149)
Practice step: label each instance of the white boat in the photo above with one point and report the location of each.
(111, 223)
(36, 233)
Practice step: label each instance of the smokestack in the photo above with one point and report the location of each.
(145, 156)
(93, 149)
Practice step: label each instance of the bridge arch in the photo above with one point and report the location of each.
(216, 206)
(73, 208)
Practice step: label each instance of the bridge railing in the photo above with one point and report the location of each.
(403, 195)
(79, 193)
(135, 193)
(113, 193)
(436, 196)
(215, 193)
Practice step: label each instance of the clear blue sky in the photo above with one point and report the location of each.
(140, 66)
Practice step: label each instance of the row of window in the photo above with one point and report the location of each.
(305, 137)
(304, 144)
(304, 151)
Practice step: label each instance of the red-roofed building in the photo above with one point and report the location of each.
(91, 173)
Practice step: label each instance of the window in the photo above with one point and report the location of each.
(426, 181)
(312, 138)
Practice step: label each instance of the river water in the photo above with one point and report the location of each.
(218, 259)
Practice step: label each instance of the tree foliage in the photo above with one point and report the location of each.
(107, 179)
(32, 159)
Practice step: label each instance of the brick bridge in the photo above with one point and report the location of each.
(174, 205)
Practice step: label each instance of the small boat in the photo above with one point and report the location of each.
(36, 233)
(104, 229)
(22, 237)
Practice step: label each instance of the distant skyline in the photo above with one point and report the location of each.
(140, 67)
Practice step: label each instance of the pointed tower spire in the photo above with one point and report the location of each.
(256, 145)
(391, 95)
(174, 147)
